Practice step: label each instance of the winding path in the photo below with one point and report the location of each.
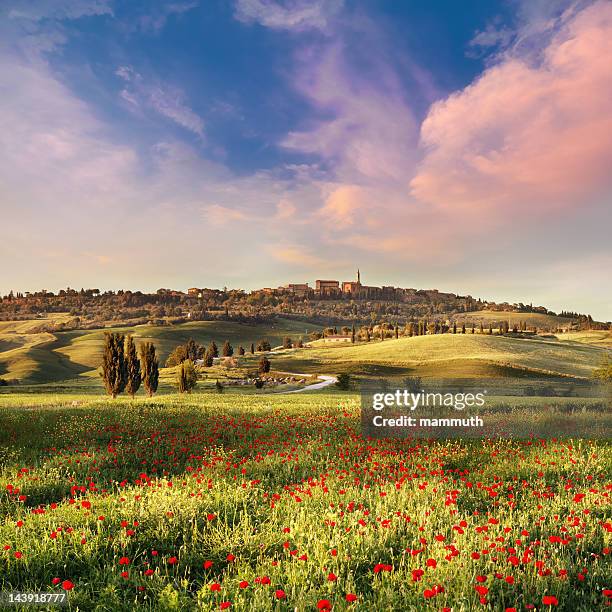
(325, 379)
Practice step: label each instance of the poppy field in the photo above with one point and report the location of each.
(215, 502)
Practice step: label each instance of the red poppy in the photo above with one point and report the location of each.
(324, 604)
(280, 594)
(550, 600)
(215, 586)
(67, 585)
(207, 564)
(172, 561)
(124, 561)
(224, 605)
(332, 577)
(350, 597)
(243, 585)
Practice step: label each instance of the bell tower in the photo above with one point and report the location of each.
(358, 277)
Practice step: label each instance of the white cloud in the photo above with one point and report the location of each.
(288, 14)
(167, 100)
(57, 9)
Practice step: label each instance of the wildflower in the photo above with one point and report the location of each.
(67, 585)
(550, 600)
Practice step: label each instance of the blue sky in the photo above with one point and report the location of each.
(258, 142)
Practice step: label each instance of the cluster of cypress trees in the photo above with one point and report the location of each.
(122, 370)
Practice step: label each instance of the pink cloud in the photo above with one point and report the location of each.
(369, 130)
(524, 135)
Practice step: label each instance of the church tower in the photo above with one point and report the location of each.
(358, 277)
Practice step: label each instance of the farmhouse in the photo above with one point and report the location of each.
(334, 338)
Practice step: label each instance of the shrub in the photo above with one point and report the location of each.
(344, 381)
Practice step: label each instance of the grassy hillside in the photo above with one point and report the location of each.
(494, 316)
(452, 356)
(35, 357)
(602, 338)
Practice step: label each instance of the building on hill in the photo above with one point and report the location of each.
(335, 338)
(299, 289)
(327, 288)
(352, 288)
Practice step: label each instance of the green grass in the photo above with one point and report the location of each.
(289, 487)
(33, 357)
(452, 356)
(531, 318)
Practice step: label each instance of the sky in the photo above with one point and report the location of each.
(247, 143)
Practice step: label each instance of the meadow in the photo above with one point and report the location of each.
(260, 500)
(278, 503)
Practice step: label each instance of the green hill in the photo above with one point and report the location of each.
(452, 356)
(41, 357)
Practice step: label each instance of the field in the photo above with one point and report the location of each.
(509, 361)
(34, 357)
(260, 500)
(278, 503)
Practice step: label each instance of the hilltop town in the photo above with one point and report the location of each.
(327, 302)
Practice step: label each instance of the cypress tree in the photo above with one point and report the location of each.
(227, 350)
(150, 367)
(213, 347)
(463, 329)
(252, 348)
(353, 333)
(454, 327)
(367, 334)
(241, 350)
(186, 377)
(264, 365)
(114, 371)
(208, 357)
(396, 332)
(134, 377)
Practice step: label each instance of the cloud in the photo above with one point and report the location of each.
(222, 215)
(158, 15)
(167, 100)
(296, 256)
(285, 210)
(288, 14)
(372, 131)
(57, 9)
(526, 137)
(342, 205)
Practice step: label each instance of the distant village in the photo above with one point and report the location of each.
(354, 290)
(326, 302)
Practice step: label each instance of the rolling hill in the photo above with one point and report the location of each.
(42, 357)
(452, 356)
